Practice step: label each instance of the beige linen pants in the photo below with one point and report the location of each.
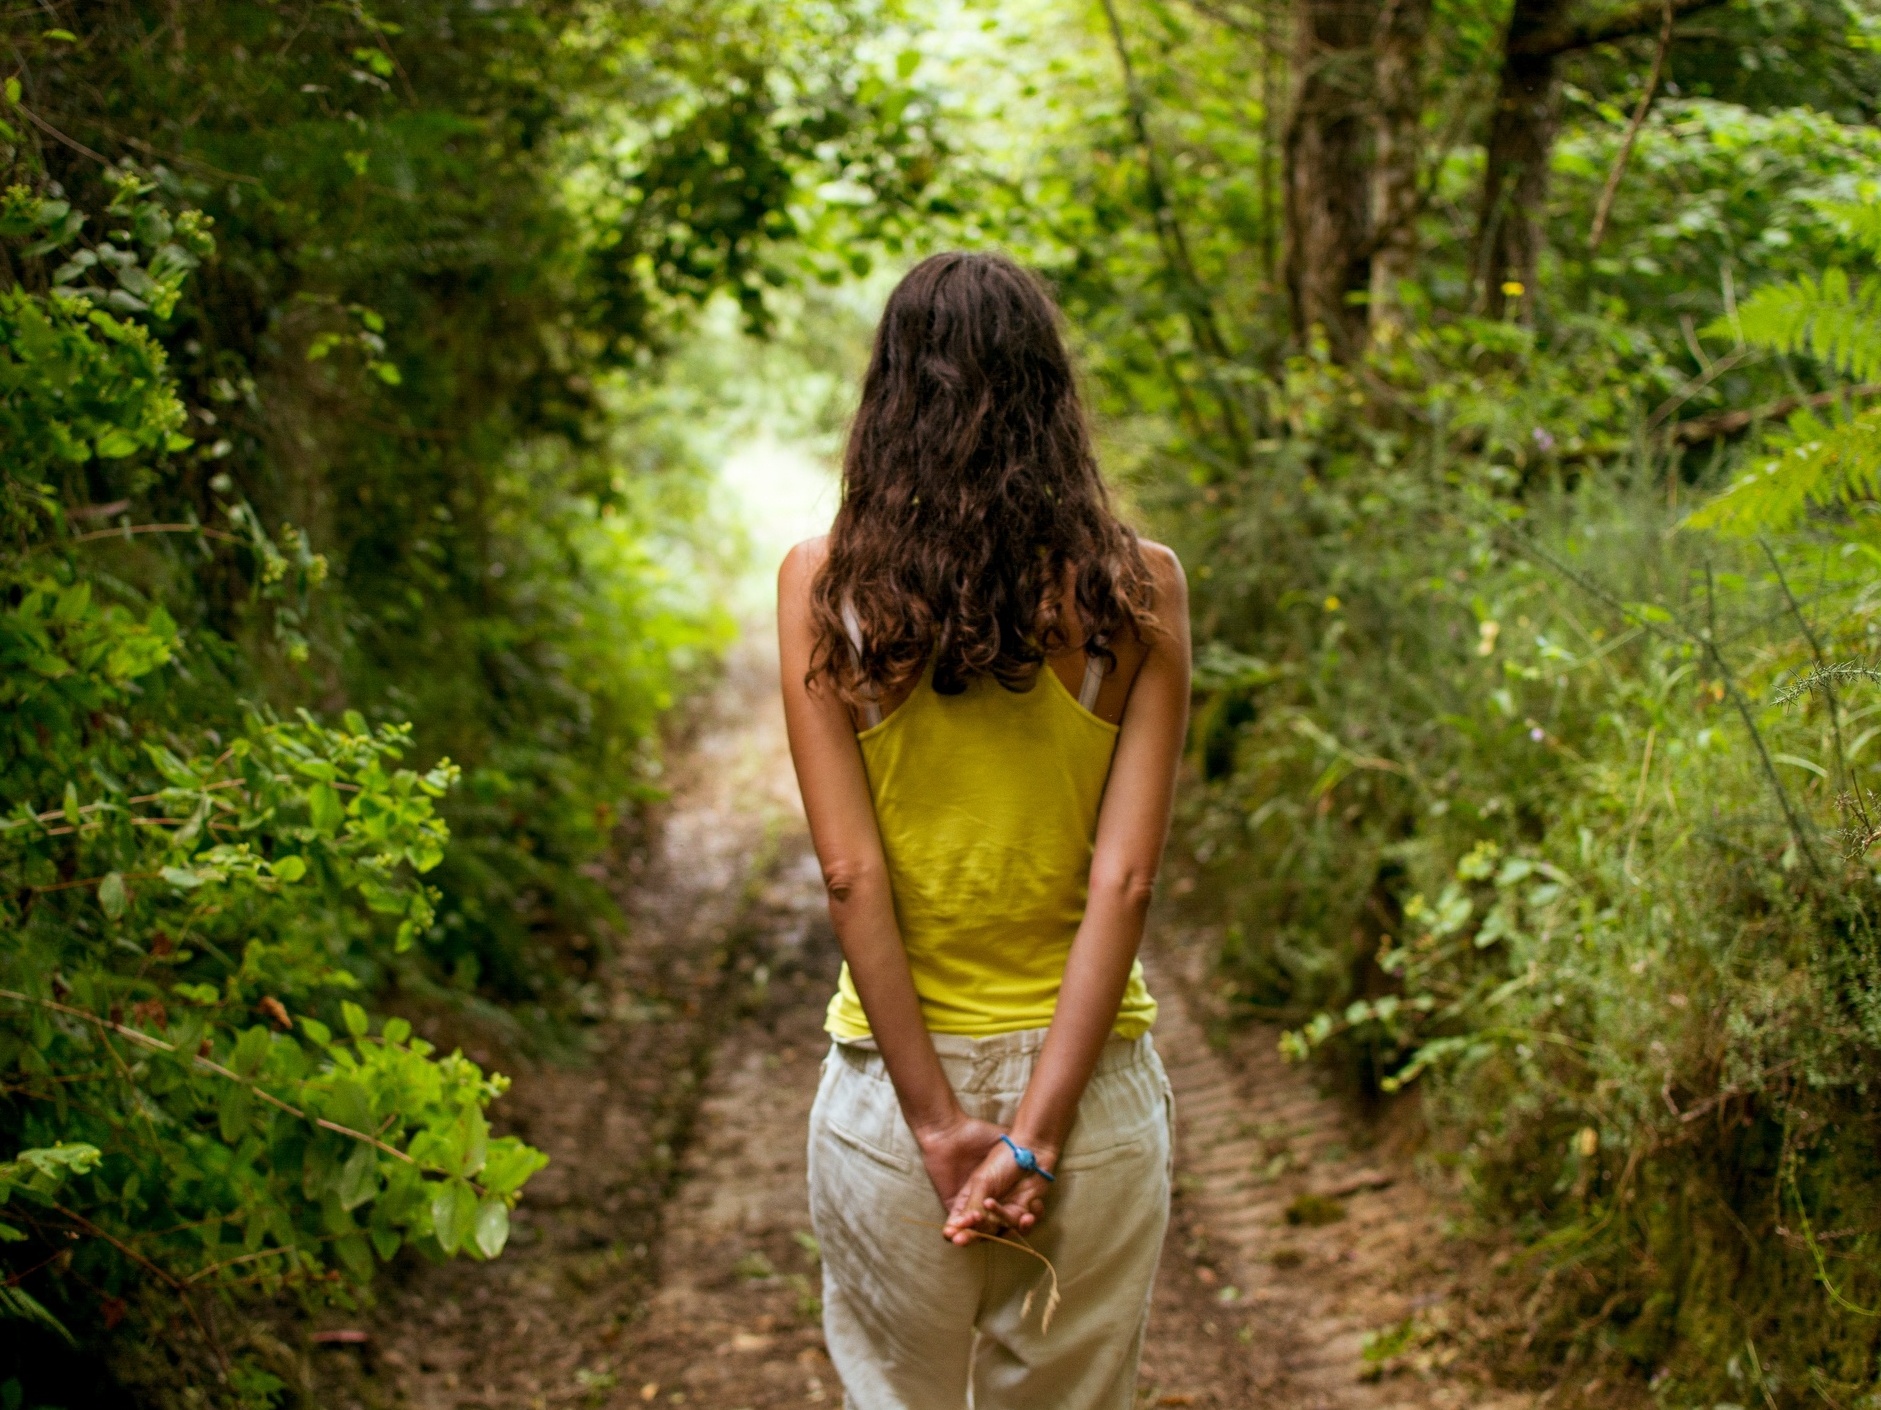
(914, 1323)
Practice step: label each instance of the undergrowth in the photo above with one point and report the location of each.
(1510, 800)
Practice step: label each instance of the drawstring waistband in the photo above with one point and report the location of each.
(1001, 1063)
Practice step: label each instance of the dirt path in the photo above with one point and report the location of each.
(666, 1257)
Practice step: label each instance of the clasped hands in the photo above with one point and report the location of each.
(979, 1182)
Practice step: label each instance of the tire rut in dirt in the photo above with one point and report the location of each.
(1322, 1246)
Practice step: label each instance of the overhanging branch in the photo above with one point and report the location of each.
(1634, 20)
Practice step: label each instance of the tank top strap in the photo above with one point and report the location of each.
(1094, 672)
(871, 708)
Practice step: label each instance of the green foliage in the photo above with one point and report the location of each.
(430, 337)
(1508, 792)
(1820, 464)
(1828, 319)
(382, 474)
(170, 1112)
(1517, 846)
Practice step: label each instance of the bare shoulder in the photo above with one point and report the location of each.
(1166, 575)
(801, 565)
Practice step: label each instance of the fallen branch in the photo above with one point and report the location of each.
(1728, 423)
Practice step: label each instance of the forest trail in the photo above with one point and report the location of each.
(665, 1256)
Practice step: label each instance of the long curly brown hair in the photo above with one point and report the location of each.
(970, 496)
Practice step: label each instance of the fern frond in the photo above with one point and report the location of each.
(1862, 220)
(1826, 318)
(1818, 465)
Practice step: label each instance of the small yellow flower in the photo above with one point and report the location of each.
(1514, 288)
(1333, 604)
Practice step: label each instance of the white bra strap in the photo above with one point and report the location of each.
(871, 711)
(1094, 673)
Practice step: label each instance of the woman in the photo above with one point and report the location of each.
(986, 680)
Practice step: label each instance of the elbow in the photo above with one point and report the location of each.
(847, 878)
(1130, 888)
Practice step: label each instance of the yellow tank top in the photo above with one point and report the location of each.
(987, 805)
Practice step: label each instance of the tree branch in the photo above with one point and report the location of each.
(1725, 423)
(1605, 206)
(1221, 17)
(1636, 19)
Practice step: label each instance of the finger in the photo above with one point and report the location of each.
(964, 1217)
(1024, 1204)
(1017, 1216)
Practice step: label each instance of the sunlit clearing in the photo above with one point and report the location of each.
(778, 493)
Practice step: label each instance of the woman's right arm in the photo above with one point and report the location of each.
(841, 813)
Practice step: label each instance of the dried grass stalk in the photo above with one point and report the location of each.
(1017, 1241)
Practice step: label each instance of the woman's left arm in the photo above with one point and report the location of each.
(1132, 826)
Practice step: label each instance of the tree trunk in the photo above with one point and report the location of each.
(1403, 26)
(1515, 171)
(1328, 171)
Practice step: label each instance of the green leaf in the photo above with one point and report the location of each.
(115, 444)
(324, 802)
(396, 1031)
(467, 1146)
(359, 1177)
(21, 1306)
(13, 90)
(509, 1163)
(234, 1110)
(492, 1227)
(350, 1105)
(355, 1018)
(377, 60)
(317, 1030)
(355, 1254)
(111, 894)
(453, 1213)
(251, 1050)
(906, 62)
(289, 868)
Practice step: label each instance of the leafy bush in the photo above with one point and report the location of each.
(190, 906)
(1531, 804)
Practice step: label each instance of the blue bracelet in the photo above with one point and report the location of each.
(1027, 1161)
